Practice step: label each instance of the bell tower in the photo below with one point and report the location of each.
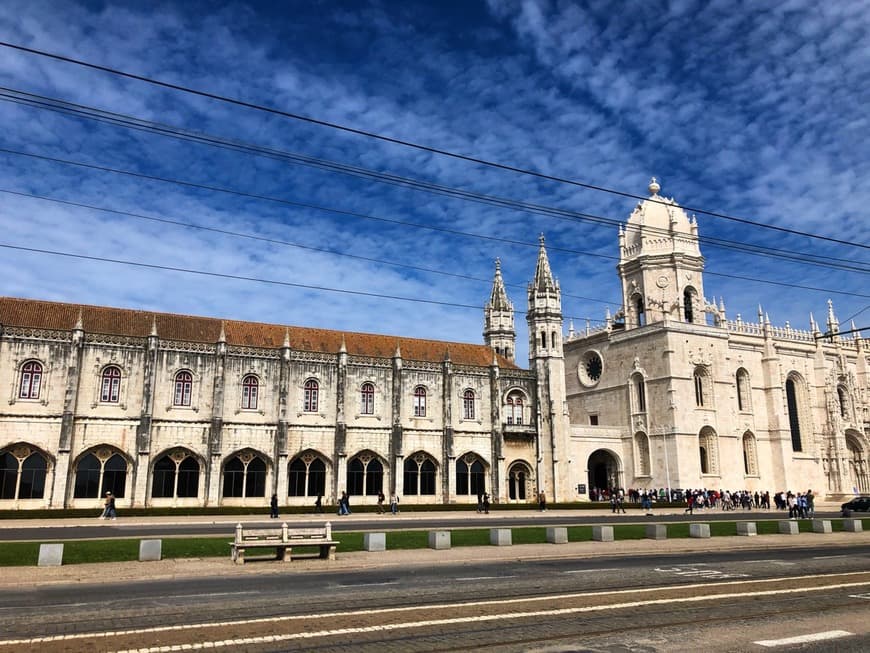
(498, 318)
(660, 264)
(546, 359)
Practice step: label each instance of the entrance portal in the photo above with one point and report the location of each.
(604, 470)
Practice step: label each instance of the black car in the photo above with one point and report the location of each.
(856, 505)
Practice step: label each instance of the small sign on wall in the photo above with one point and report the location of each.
(581, 488)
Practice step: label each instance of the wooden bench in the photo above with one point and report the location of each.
(282, 540)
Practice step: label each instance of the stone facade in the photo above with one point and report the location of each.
(168, 410)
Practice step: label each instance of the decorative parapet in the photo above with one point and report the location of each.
(757, 329)
(114, 340)
(367, 361)
(253, 352)
(471, 370)
(37, 334)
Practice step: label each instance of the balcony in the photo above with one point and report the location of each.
(518, 432)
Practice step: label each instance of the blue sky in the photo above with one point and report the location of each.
(755, 110)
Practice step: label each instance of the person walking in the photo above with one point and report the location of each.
(110, 506)
(273, 507)
(318, 505)
(486, 502)
(394, 503)
(381, 499)
(542, 501)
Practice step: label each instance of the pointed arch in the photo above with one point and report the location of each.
(471, 472)
(641, 454)
(307, 473)
(796, 402)
(365, 474)
(420, 474)
(516, 406)
(24, 470)
(176, 473)
(244, 474)
(690, 304)
(750, 454)
(744, 390)
(520, 480)
(859, 467)
(101, 469)
(708, 451)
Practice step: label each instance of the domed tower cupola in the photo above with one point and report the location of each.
(660, 263)
(498, 318)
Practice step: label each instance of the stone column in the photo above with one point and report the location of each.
(143, 429)
(448, 486)
(339, 447)
(396, 445)
(215, 434)
(70, 405)
(496, 434)
(281, 453)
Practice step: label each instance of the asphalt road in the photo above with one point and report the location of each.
(722, 601)
(140, 527)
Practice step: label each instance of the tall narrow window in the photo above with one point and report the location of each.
(250, 392)
(367, 399)
(699, 388)
(750, 456)
(791, 398)
(641, 312)
(543, 339)
(514, 408)
(183, 386)
(844, 402)
(31, 380)
(689, 305)
(110, 384)
(468, 404)
(743, 392)
(639, 393)
(312, 389)
(419, 401)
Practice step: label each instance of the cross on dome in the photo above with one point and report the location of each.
(654, 186)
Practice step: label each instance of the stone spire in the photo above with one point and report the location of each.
(498, 318)
(543, 275)
(833, 323)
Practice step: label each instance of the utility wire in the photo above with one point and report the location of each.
(276, 241)
(382, 219)
(236, 277)
(405, 143)
(130, 122)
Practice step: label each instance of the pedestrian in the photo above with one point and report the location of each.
(394, 503)
(486, 503)
(479, 502)
(690, 504)
(343, 504)
(109, 512)
(318, 505)
(542, 501)
(381, 499)
(273, 506)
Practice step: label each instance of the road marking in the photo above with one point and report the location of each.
(248, 641)
(589, 571)
(377, 611)
(860, 596)
(805, 639)
(386, 582)
(483, 577)
(831, 557)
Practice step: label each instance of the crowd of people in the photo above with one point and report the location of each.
(799, 505)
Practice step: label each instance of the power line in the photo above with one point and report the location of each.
(380, 219)
(409, 144)
(131, 122)
(236, 277)
(277, 241)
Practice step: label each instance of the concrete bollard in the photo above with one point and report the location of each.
(821, 526)
(150, 550)
(375, 541)
(500, 537)
(602, 533)
(50, 555)
(557, 535)
(746, 528)
(788, 527)
(439, 539)
(853, 525)
(656, 532)
(699, 530)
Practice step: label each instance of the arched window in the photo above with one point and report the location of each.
(639, 390)
(31, 380)
(470, 476)
(640, 310)
(641, 442)
(543, 339)
(750, 455)
(703, 388)
(100, 472)
(176, 475)
(183, 386)
(708, 448)
(689, 304)
(307, 476)
(514, 408)
(367, 399)
(791, 398)
(744, 396)
(22, 474)
(245, 476)
(365, 475)
(310, 397)
(553, 339)
(250, 392)
(843, 399)
(419, 401)
(518, 478)
(110, 384)
(419, 475)
(468, 404)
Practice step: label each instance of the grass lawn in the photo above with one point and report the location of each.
(15, 554)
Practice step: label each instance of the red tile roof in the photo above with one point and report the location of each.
(32, 313)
